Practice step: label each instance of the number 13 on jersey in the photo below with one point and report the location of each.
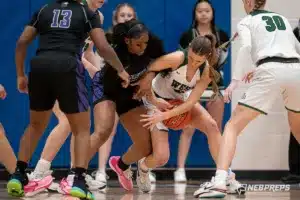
(65, 22)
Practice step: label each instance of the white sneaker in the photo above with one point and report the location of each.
(100, 176)
(212, 189)
(179, 176)
(143, 179)
(152, 177)
(94, 185)
(233, 186)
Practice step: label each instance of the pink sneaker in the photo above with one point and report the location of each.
(66, 184)
(125, 177)
(36, 186)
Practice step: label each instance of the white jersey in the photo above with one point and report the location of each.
(174, 85)
(264, 34)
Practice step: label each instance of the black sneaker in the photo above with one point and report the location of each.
(80, 188)
(15, 186)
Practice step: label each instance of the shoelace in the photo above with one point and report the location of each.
(128, 174)
(207, 183)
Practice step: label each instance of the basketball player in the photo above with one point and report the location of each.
(137, 48)
(42, 174)
(63, 27)
(190, 75)
(7, 158)
(268, 38)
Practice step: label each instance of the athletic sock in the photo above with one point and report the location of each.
(122, 165)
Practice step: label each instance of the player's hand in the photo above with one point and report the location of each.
(125, 77)
(2, 92)
(162, 104)
(228, 91)
(151, 120)
(248, 77)
(145, 85)
(22, 84)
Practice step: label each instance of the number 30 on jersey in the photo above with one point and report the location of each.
(65, 22)
(274, 22)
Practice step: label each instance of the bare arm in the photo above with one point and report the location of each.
(194, 97)
(24, 41)
(169, 61)
(89, 67)
(105, 50)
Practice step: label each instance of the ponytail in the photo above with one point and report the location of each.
(213, 61)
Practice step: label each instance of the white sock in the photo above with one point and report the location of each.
(229, 171)
(101, 170)
(181, 170)
(42, 166)
(221, 175)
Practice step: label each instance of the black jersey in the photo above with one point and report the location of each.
(63, 26)
(136, 66)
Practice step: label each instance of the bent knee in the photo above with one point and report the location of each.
(212, 127)
(161, 158)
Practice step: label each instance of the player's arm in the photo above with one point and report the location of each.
(194, 97)
(169, 61)
(23, 42)
(89, 67)
(104, 49)
(244, 53)
(28, 35)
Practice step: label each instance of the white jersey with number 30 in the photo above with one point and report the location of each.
(264, 34)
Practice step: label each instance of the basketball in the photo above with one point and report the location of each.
(180, 121)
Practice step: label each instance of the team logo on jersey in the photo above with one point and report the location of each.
(64, 4)
(244, 96)
(179, 87)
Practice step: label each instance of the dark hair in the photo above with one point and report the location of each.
(212, 23)
(118, 8)
(206, 45)
(259, 4)
(132, 29)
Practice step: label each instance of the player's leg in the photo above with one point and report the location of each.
(257, 100)
(54, 142)
(104, 152)
(158, 158)
(41, 103)
(291, 96)
(73, 101)
(7, 158)
(140, 148)
(215, 108)
(183, 150)
(203, 121)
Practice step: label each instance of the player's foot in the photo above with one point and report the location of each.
(80, 188)
(125, 177)
(66, 184)
(233, 186)
(100, 176)
(15, 186)
(179, 176)
(152, 177)
(38, 182)
(143, 179)
(94, 184)
(212, 189)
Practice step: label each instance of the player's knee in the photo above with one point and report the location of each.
(37, 127)
(212, 127)
(64, 124)
(103, 131)
(161, 157)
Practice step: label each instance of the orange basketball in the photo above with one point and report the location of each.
(180, 121)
